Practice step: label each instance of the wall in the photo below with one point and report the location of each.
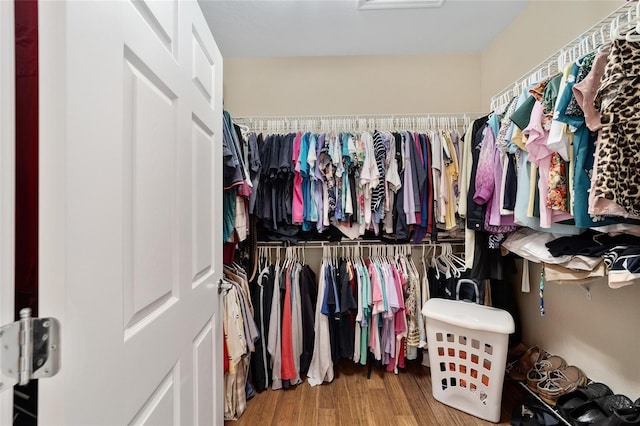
(538, 32)
(599, 335)
(352, 85)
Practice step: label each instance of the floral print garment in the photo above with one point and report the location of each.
(557, 197)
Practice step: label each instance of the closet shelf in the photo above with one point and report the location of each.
(359, 122)
(537, 397)
(363, 243)
(552, 409)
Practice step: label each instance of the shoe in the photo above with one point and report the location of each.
(541, 368)
(599, 411)
(525, 363)
(533, 413)
(583, 394)
(560, 382)
(626, 416)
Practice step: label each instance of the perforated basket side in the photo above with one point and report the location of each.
(467, 368)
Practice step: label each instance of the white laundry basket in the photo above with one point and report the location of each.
(468, 346)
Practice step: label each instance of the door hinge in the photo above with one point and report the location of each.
(29, 349)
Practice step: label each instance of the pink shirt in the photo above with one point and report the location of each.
(297, 208)
(540, 155)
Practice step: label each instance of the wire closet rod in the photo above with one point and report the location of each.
(358, 122)
(599, 34)
(356, 243)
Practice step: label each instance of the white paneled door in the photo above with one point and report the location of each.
(7, 182)
(130, 212)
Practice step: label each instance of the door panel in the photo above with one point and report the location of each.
(7, 183)
(201, 162)
(202, 371)
(160, 408)
(161, 16)
(137, 195)
(150, 139)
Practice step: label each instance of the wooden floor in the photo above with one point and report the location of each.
(351, 399)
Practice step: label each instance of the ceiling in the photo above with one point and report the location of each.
(276, 28)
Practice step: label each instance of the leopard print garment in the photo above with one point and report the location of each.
(618, 162)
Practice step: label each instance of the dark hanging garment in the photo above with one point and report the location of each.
(400, 227)
(511, 183)
(287, 186)
(261, 294)
(503, 297)
(255, 166)
(426, 197)
(475, 211)
(418, 173)
(333, 306)
(308, 297)
(348, 305)
(440, 286)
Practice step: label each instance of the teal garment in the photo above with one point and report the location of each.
(346, 161)
(313, 215)
(512, 147)
(584, 148)
(366, 315)
(494, 123)
(583, 151)
(550, 94)
(383, 285)
(560, 113)
(228, 212)
(584, 67)
(306, 182)
(522, 115)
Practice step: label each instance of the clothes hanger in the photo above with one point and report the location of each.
(442, 261)
(618, 31)
(634, 35)
(453, 268)
(434, 263)
(457, 262)
(424, 263)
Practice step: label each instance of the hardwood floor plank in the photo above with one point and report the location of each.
(309, 397)
(405, 421)
(327, 416)
(352, 399)
(416, 400)
(396, 394)
(267, 402)
(349, 393)
(288, 406)
(326, 396)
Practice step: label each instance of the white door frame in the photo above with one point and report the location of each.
(7, 182)
(51, 174)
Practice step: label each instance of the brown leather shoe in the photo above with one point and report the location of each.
(525, 363)
(542, 368)
(560, 382)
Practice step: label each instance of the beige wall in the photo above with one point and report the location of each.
(352, 85)
(600, 335)
(542, 29)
